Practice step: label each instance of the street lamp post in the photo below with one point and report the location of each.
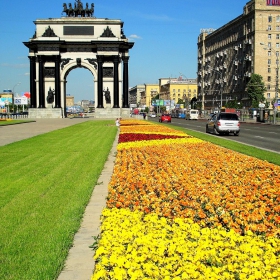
(277, 80)
(14, 92)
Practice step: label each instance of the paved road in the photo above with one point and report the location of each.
(14, 133)
(263, 136)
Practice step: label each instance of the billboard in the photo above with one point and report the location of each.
(161, 102)
(20, 100)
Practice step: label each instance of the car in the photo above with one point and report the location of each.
(223, 123)
(192, 115)
(165, 118)
(152, 115)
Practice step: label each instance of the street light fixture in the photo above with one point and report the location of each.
(16, 85)
(14, 92)
(221, 81)
(276, 82)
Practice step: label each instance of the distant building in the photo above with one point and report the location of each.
(150, 92)
(69, 101)
(175, 89)
(228, 56)
(134, 96)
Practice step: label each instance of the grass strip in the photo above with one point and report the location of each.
(46, 182)
(4, 122)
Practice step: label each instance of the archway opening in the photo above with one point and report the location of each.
(79, 92)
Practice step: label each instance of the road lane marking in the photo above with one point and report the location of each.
(259, 137)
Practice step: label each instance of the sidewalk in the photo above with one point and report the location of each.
(79, 264)
(18, 132)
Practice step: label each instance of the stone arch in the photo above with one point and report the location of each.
(60, 45)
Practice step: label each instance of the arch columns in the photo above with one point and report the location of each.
(57, 95)
(125, 81)
(100, 61)
(116, 61)
(33, 99)
(41, 82)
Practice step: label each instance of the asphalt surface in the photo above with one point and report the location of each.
(79, 264)
(18, 132)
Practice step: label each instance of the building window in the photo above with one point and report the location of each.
(269, 61)
(277, 45)
(178, 90)
(268, 87)
(277, 27)
(269, 53)
(277, 36)
(269, 45)
(269, 36)
(269, 79)
(277, 18)
(269, 27)
(268, 95)
(269, 18)
(268, 70)
(277, 53)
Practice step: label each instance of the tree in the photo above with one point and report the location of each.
(233, 104)
(255, 90)
(194, 102)
(180, 101)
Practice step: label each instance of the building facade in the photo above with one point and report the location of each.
(150, 92)
(175, 89)
(134, 96)
(228, 56)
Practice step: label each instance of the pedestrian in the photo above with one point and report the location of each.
(144, 116)
(117, 122)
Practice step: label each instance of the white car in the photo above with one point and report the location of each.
(223, 123)
(192, 115)
(153, 115)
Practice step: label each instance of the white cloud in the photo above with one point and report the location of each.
(134, 36)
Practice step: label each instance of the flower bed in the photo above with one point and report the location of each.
(182, 208)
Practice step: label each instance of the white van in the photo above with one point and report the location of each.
(192, 114)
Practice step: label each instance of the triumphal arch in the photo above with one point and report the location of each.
(78, 39)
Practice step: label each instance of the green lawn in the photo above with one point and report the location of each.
(15, 121)
(45, 184)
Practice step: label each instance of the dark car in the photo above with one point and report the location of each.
(165, 118)
(223, 123)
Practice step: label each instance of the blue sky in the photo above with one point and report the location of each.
(165, 35)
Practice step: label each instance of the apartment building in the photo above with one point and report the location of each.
(134, 96)
(150, 92)
(178, 89)
(228, 56)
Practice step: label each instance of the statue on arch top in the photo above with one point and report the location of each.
(78, 9)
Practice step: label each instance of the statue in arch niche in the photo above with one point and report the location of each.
(107, 96)
(50, 97)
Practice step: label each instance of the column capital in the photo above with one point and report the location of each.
(100, 58)
(125, 59)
